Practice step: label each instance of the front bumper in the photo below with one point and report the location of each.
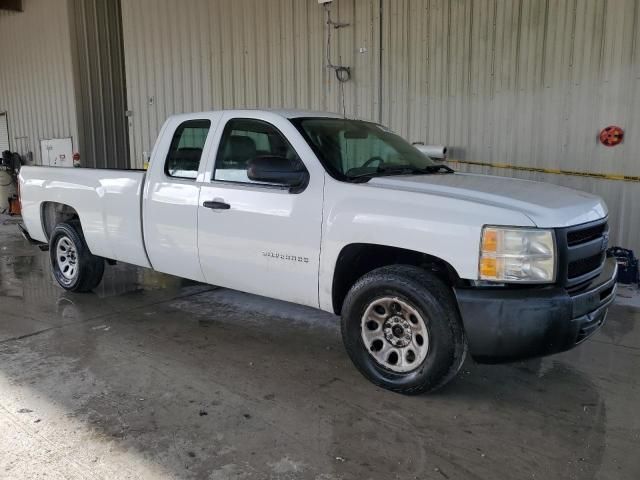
(505, 325)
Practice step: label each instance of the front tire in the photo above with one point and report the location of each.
(74, 267)
(402, 329)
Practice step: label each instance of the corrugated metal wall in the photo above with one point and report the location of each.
(204, 54)
(36, 77)
(523, 82)
(98, 60)
(528, 82)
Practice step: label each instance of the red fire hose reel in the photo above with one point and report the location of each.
(611, 136)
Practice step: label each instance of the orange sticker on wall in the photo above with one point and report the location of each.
(611, 136)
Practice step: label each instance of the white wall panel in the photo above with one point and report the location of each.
(516, 81)
(205, 54)
(36, 74)
(5, 144)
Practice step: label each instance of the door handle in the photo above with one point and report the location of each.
(216, 205)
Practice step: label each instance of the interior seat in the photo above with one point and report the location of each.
(238, 151)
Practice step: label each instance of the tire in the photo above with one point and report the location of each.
(74, 267)
(406, 303)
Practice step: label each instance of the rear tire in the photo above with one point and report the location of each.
(402, 329)
(74, 267)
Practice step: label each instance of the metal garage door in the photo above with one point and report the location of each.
(4, 132)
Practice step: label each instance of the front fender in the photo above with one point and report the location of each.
(445, 228)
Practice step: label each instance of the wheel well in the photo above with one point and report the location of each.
(54, 213)
(358, 259)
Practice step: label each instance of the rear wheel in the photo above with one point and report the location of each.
(401, 328)
(74, 267)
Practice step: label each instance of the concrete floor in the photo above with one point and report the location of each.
(155, 377)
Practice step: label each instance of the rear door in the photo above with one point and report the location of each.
(266, 239)
(172, 190)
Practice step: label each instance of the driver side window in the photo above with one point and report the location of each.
(244, 140)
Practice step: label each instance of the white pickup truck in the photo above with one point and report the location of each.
(422, 263)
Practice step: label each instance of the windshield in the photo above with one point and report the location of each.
(355, 149)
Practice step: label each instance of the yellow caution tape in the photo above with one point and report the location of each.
(553, 171)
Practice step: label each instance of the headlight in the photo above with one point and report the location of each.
(517, 255)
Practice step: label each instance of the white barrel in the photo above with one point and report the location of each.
(433, 151)
(7, 189)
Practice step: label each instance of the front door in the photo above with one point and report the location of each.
(257, 237)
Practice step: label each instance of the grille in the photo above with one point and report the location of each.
(581, 267)
(582, 254)
(577, 237)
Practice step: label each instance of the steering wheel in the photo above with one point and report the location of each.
(375, 158)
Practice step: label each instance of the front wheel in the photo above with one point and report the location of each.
(74, 267)
(402, 330)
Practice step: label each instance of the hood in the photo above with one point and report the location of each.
(547, 205)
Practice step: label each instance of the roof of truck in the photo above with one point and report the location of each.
(286, 113)
(304, 113)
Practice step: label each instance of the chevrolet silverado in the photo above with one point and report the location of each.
(423, 264)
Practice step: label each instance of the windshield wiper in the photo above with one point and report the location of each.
(383, 171)
(438, 168)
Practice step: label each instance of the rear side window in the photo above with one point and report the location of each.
(185, 152)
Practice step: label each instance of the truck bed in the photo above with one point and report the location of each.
(107, 201)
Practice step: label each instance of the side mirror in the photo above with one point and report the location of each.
(277, 170)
